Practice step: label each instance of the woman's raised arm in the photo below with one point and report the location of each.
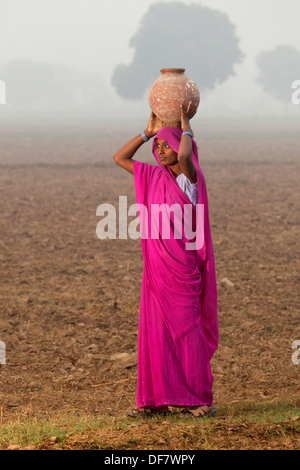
(186, 147)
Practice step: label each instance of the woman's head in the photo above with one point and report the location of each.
(166, 155)
(166, 144)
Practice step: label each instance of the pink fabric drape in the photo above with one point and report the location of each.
(178, 325)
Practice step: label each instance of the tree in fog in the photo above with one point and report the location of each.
(197, 38)
(278, 69)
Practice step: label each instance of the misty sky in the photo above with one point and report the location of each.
(93, 35)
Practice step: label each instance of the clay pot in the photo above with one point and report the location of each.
(168, 92)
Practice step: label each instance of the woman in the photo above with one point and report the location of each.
(178, 326)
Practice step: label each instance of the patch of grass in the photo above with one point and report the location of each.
(31, 432)
(275, 412)
(246, 422)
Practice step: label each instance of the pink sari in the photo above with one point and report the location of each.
(178, 325)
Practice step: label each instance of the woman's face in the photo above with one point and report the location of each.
(167, 156)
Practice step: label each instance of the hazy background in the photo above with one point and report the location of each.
(86, 39)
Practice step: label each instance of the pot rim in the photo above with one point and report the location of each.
(172, 70)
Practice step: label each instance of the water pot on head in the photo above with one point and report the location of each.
(168, 92)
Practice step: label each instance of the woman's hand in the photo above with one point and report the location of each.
(187, 112)
(154, 125)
